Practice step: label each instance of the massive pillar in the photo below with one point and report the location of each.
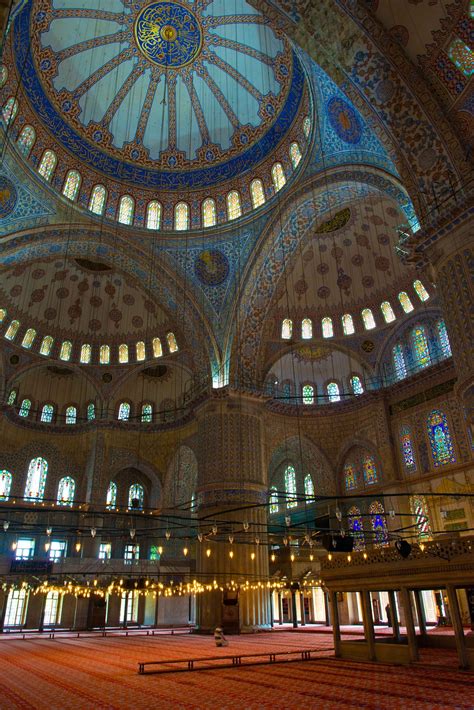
(231, 488)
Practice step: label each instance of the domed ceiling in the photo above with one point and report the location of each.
(169, 95)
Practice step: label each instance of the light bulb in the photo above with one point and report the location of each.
(311, 558)
(185, 551)
(245, 526)
(422, 547)
(132, 533)
(94, 532)
(364, 555)
(273, 557)
(349, 558)
(49, 530)
(208, 552)
(214, 529)
(257, 541)
(160, 550)
(200, 536)
(285, 541)
(231, 539)
(329, 557)
(14, 545)
(338, 514)
(292, 557)
(78, 546)
(6, 525)
(231, 554)
(252, 555)
(47, 545)
(167, 534)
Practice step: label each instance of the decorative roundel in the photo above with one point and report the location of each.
(211, 267)
(344, 120)
(8, 196)
(168, 34)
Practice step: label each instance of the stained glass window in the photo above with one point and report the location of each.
(328, 330)
(273, 500)
(350, 476)
(5, 484)
(126, 209)
(3, 314)
(181, 216)
(443, 338)
(10, 110)
(399, 361)
(90, 412)
(387, 312)
(153, 215)
(47, 413)
(306, 328)
(462, 56)
(123, 353)
(308, 394)
(36, 479)
(209, 213)
(257, 193)
(136, 496)
(124, 412)
(172, 344)
(420, 347)
(333, 392)
(309, 487)
(12, 330)
(28, 338)
(368, 319)
(234, 208)
(440, 438)
(47, 165)
(295, 155)
(3, 75)
(26, 140)
(286, 329)
(307, 126)
(278, 176)
(147, 413)
(104, 354)
(97, 201)
(356, 385)
(347, 324)
(71, 185)
(407, 449)
(111, 500)
(421, 291)
(405, 302)
(66, 350)
(370, 470)
(290, 487)
(46, 345)
(71, 415)
(379, 524)
(419, 509)
(157, 348)
(12, 397)
(25, 408)
(66, 489)
(356, 527)
(140, 351)
(86, 354)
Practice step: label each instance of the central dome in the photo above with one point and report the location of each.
(168, 34)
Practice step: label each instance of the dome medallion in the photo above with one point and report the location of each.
(168, 34)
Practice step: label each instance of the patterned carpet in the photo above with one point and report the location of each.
(101, 674)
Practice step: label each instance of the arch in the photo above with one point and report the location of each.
(65, 351)
(278, 176)
(273, 500)
(350, 476)
(209, 212)
(406, 446)
(257, 193)
(140, 351)
(379, 524)
(306, 329)
(356, 385)
(66, 491)
(234, 207)
(71, 185)
(157, 347)
(399, 364)
(295, 154)
(123, 353)
(356, 527)
(124, 412)
(405, 302)
(347, 324)
(387, 312)
(10, 109)
(369, 469)
(332, 389)
(136, 497)
(286, 329)
(443, 338)
(327, 328)
(421, 291)
(147, 413)
(290, 487)
(26, 140)
(309, 488)
(442, 449)
(104, 355)
(368, 319)
(71, 414)
(36, 479)
(126, 210)
(181, 216)
(153, 215)
(97, 200)
(5, 484)
(306, 126)
(25, 408)
(86, 353)
(12, 330)
(419, 510)
(28, 338)
(111, 496)
(47, 413)
(46, 345)
(307, 393)
(47, 165)
(420, 347)
(90, 411)
(172, 342)
(307, 458)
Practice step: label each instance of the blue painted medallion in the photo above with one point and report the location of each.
(168, 34)
(211, 267)
(344, 120)
(8, 197)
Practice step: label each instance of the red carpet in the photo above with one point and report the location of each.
(101, 674)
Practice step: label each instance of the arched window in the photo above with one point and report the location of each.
(147, 413)
(379, 524)
(387, 312)
(333, 392)
(290, 487)
(273, 500)
(287, 329)
(36, 479)
(153, 215)
(124, 412)
(307, 126)
(407, 449)
(295, 155)
(12, 330)
(123, 353)
(350, 476)
(172, 343)
(25, 408)
(234, 209)
(356, 527)
(462, 56)
(3, 314)
(328, 331)
(126, 209)
(308, 394)
(47, 413)
(136, 496)
(90, 412)
(10, 110)
(66, 489)
(347, 324)
(405, 302)
(399, 361)
(66, 350)
(111, 499)
(71, 185)
(5, 484)
(257, 193)
(157, 348)
(181, 216)
(368, 319)
(370, 470)
(12, 397)
(28, 338)
(86, 354)
(97, 200)
(209, 213)
(26, 140)
(440, 438)
(3, 75)
(420, 347)
(46, 345)
(306, 328)
(104, 354)
(309, 488)
(419, 509)
(421, 291)
(278, 176)
(140, 351)
(47, 165)
(443, 338)
(356, 385)
(71, 415)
